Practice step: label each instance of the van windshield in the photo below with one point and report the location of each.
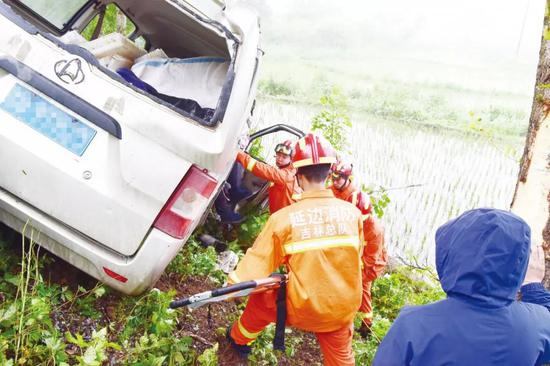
(57, 12)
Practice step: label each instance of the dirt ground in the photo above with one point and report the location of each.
(204, 325)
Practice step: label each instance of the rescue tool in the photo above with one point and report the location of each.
(232, 291)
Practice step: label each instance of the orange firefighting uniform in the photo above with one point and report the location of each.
(375, 255)
(283, 180)
(319, 240)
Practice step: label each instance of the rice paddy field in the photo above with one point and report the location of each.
(452, 170)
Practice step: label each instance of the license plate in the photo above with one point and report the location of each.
(44, 117)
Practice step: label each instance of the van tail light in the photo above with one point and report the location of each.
(186, 204)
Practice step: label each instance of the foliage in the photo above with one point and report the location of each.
(109, 23)
(142, 332)
(333, 120)
(275, 87)
(93, 351)
(209, 357)
(334, 123)
(151, 315)
(441, 106)
(27, 334)
(262, 349)
(249, 229)
(195, 260)
(379, 199)
(478, 125)
(257, 149)
(404, 286)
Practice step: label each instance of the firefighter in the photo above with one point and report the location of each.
(319, 240)
(282, 178)
(374, 255)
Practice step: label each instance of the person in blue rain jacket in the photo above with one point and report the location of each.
(481, 258)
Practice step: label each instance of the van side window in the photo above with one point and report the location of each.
(109, 20)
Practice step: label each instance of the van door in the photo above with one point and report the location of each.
(67, 145)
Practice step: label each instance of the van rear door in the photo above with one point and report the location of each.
(69, 144)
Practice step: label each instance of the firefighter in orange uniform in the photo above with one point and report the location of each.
(374, 255)
(283, 178)
(319, 240)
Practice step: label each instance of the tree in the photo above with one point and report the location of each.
(532, 196)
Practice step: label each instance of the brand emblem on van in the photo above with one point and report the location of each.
(69, 72)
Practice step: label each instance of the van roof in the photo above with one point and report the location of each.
(62, 16)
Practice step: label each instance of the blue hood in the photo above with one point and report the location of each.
(482, 256)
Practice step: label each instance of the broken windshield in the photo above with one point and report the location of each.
(57, 12)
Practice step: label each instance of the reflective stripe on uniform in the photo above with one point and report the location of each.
(322, 243)
(245, 332)
(250, 165)
(354, 198)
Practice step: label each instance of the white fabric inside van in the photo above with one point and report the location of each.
(199, 78)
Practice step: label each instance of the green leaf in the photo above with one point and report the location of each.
(99, 292)
(13, 279)
(79, 341)
(101, 334)
(8, 313)
(53, 343)
(114, 346)
(90, 357)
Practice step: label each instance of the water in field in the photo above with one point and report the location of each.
(455, 171)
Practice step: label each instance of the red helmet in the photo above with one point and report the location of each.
(313, 150)
(342, 169)
(285, 148)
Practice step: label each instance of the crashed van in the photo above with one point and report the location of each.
(114, 143)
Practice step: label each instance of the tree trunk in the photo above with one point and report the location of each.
(532, 196)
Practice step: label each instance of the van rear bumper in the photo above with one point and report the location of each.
(141, 270)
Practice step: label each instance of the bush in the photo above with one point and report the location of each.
(275, 87)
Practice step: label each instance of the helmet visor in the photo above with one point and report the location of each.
(284, 149)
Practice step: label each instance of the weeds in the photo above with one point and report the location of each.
(143, 331)
(275, 88)
(27, 334)
(194, 260)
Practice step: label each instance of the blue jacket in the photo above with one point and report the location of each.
(481, 259)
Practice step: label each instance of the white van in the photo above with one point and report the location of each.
(114, 143)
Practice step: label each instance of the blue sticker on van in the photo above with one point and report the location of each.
(50, 121)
